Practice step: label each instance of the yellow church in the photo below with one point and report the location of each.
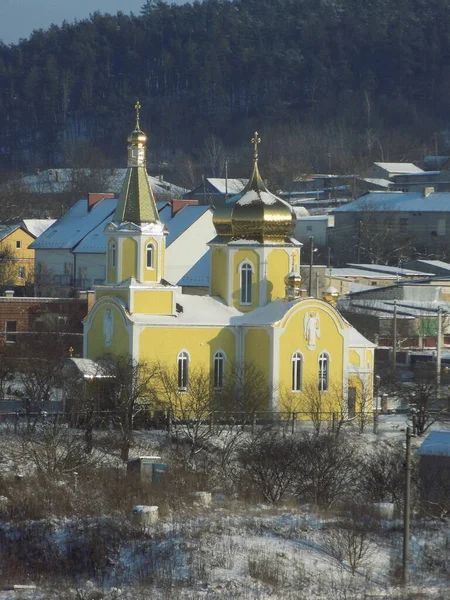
(255, 315)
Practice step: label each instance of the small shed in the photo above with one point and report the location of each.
(149, 468)
(434, 471)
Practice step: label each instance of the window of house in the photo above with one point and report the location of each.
(22, 272)
(113, 255)
(403, 225)
(297, 364)
(11, 331)
(246, 283)
(323, 372)
(150, 253)
(219, 370)
(18, 244)
(183, 371)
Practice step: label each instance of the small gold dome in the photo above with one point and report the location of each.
(293, 280)
(137, 137)
(222, 220)
(330, 295)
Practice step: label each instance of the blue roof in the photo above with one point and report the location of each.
(74, 225)
(437, 443)
(5, 230)
(398, 202)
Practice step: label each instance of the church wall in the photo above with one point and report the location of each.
(129, 258)
(296, 338)
(218, 273)
(253, 258)
(257, 355)
(163, 344)
(153, 302)
(278, 265)
(119, 340)
(354, 358)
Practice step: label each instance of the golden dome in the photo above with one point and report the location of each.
(137, 137)
(255, 214)
(293, 280)
(330, 295)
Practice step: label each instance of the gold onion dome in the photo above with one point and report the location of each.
(293, 280)
(256, 214)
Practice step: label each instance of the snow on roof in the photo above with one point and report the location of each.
(37, 226)
(379, 307)
(386, 269)
(6, 230)
(378, 181)
(399, 167)
(74, 225)
(196, 311)
(88, 368)
(95, 241)
(198, 274)
(182, 220)
(434, 263)
(301, 212)
(352, 272)
(230, 186)
(398, 202)
(437, 443)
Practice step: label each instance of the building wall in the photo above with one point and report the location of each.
(20, 269)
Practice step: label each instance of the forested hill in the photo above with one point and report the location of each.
(223, 67)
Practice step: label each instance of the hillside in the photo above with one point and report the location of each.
(223, 67)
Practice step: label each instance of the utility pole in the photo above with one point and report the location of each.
(311, 262)
(358, 247)
(376, 390)
(439, 353)
(226, 178)
(394, 338)
(407, 508)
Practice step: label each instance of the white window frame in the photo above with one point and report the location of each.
(183, 361)
(245, 292)
(297, 371)
(219, 362)
(324, 371)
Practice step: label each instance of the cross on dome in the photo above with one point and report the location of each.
(137, 106)
(256, 140)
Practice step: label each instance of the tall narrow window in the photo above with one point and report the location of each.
(183, 368)
(113, 255)
(323, 372)
(150, 253)
(18, 244)
(246, 283)
(219, 370)
(297, 363)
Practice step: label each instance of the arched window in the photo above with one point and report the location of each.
(183, 371)
(219, 370)
(246, 283)
(324, 361)
(150, 253)
(113, 255)
(297, 368)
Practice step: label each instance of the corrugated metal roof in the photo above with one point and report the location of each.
(378, 181)
(386, 269)
(398, 202)
(437, 443)
(399, 167)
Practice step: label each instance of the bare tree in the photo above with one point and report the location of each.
(213, 156)
(328, 469)
(270, 462)
(421, 395)
(350, 540)
(131, 389)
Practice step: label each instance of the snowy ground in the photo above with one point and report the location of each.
(234, 550)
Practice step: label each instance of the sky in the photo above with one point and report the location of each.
(18, 18)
